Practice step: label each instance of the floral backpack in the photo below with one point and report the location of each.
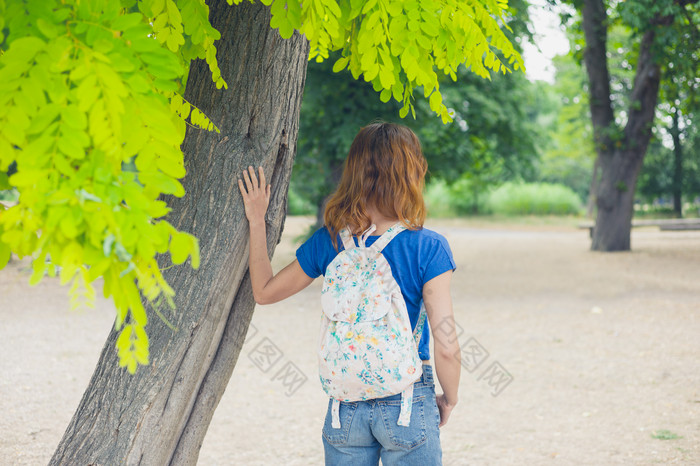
(367, 349)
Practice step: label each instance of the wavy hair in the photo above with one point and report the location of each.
(385, 168)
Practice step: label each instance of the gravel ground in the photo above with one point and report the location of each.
(590, 358)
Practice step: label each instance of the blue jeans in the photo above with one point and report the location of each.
(368, 430)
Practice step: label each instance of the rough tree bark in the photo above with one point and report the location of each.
(160, 415)
(620, 154)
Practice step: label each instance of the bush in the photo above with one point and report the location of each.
(571, 172)
(297, 205)
(438, 199)
(470, 196)
(534, 199)
(462, 197)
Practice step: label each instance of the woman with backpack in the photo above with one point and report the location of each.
(383, 274)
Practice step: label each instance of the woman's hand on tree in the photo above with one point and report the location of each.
(256, 194)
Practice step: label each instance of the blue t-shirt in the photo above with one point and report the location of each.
(415, 257)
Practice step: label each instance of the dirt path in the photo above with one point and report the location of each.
(602, 351)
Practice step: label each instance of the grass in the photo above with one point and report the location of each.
(664, 434)
(534, 199)
(507, 200)
(439, 200)
(651, 211)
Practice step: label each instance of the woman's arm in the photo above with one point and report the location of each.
(438, 304)
(267, 287)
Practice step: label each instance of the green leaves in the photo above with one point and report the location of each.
(87, 115)
(200, 37)
(286, 16)
(5, 251)
(186, 110)
(91, 113)
(183, 245)
(132, 346)
(340, 64)
(399, 45)
(167, 25)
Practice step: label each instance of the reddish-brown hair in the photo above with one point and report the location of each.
(385, 168)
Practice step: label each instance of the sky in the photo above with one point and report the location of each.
(550, 38)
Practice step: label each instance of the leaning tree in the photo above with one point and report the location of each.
(106, 105)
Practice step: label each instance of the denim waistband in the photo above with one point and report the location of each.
(426, 380)
(419, 386)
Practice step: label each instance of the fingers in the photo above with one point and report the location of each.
(262, 177)
(244, 193)
(251, 183)
(253, 178)
(248, 182)
(443, 409)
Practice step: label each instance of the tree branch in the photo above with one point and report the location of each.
(645, 91)
(595, 24)
(688, 16)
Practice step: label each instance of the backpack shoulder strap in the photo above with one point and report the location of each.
(388, 236)
(367, 233)
(346, 237)
(418, 331)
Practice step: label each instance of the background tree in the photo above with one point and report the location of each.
(569, 158)
(494, 135)
(334, 108)
(93, 112)
(679, 106)
(497, 136)
(670, 176)
(621, 140)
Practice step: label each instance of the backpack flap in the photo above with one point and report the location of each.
(354, 288)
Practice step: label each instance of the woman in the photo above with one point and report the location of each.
(381, 185)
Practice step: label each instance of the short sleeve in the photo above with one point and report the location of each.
(439, 257)
(316, 253)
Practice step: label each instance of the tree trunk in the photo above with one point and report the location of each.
(595, 28)
(620, 154)
(595, 181)
(615, 201)
(677, 166)
(160, 415)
